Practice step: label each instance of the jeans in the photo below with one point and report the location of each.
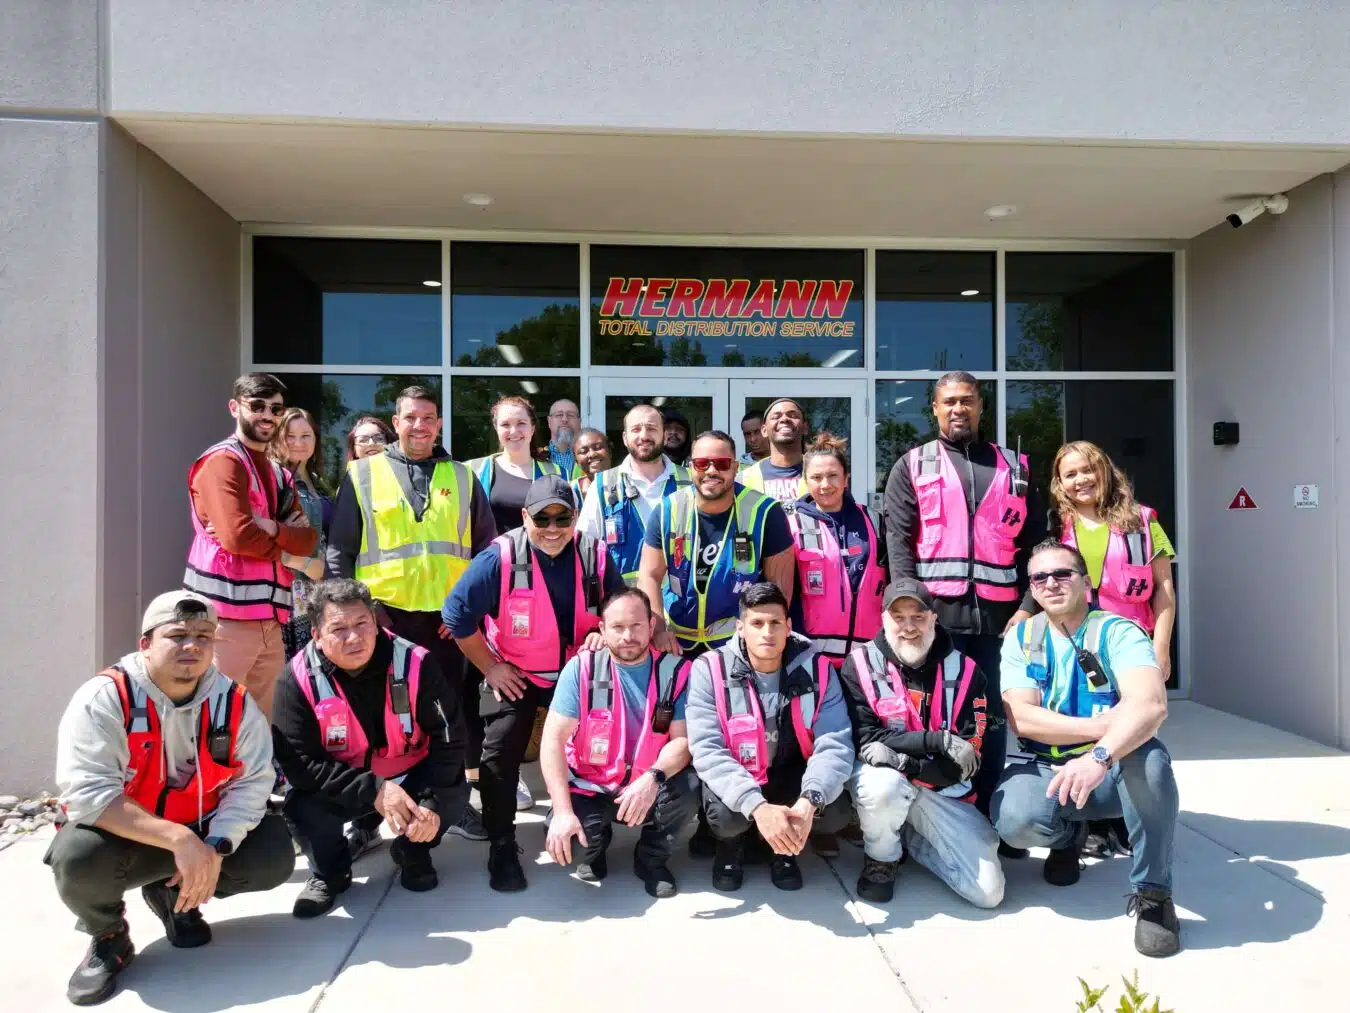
(675, 805)
(1139, 787)
(95, 868)
(783, 787)
(986, 651)
(948, 837)
(251, 652)
(507, 725)
(423, 629)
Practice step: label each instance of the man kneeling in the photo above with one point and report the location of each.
(770, 738)
(164, 767)
(365, 721)
(917, 706)
(615, 747)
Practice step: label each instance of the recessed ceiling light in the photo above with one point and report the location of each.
(432, 283)
(968, 292)
(1000, 211)
(478, 200)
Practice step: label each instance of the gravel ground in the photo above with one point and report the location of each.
(19, 816)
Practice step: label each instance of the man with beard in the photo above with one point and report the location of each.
(616, 749)
(621, 500)
(676, 436)
(248, 530)
(961, 515)
(917, 706)
(780, 474)
(563, 420)
(593, 457)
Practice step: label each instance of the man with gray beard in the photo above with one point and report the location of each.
(918, 711)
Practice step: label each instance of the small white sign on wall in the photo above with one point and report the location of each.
(1305, 497)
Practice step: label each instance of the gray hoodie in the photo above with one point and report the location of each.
(92, 753)
(831, 759)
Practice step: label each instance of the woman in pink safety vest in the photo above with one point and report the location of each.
(1129, 556)
(840, 551)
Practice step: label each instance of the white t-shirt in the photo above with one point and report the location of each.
(650, 493)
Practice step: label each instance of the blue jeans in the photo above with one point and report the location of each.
(1139, 787)
(986, 651)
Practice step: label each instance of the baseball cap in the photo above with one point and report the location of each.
(907, 587)
(550, 490)
(168, 608)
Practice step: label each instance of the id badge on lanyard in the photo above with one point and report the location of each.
(815, 578)
(613, 530)
(740, 552)
(601, 731)
(518, 611)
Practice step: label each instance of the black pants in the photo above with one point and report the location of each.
(423, 629)
(316, 822)
(675, 805)
(95, 868)
(783, 787)
(986, 651)
(507, 725)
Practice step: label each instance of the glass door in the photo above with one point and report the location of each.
(701, 403)
(838, 406)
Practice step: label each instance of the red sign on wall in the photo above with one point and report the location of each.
(1243, 500)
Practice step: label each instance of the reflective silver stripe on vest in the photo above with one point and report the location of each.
(374, 554)
(987, 573)
(721, 628)
(809, 537)
(929, 461)
(951, 679)
(140, 711)
(1135, 549)
(222, 589)
(1034, 639)
(738, 695)
(831, 645)
(877, 672)
(402, 663)
(942, 569)
(522, 563)
(602, 682)
(323, 688)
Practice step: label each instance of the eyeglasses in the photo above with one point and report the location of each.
(564, 415)
(713, 463)
(370, 441)
(257, 406)
(1061, 576)
(552, 520)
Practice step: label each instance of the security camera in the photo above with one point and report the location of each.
(1277, 204)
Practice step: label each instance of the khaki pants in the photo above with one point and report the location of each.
(251, 653)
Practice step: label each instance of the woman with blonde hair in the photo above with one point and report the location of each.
(506, 475)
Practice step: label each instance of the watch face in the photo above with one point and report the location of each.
(1100, 754)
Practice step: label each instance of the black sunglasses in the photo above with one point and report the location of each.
(552, 520)
(258, 406)
(1062, 576)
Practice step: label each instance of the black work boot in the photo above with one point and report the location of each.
(595, 870)
(1157, 932)
(728, 872)
(96, 977)
(319, 895)
(416, 873)
(1006, 850)
(702, 844)
(185, 929)
(1063, 865)
(876, 882)
(784, 873)
(504, 872)
(655, 876)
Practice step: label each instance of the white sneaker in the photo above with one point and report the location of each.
(524, 800)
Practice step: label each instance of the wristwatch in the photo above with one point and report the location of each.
(816, 799)
(659, 776)
(221, 845)
(1102, 755)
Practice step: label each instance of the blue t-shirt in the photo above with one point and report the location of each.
(783, 484)
(633, 682)
(712, 527)
(1125, 646)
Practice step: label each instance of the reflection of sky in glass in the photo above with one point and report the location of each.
(397, 329)
(476, 320)
(942, 334)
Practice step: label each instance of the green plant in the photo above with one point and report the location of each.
(1133, 1001)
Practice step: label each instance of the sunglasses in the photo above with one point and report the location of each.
(552, 520)
(1062, 576)
(257, 406)
(713, 463)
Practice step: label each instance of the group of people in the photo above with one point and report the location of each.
(732, 644)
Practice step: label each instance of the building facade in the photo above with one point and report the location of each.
(703, 205)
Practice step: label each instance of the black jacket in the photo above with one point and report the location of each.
(936, 771)
(299, 747)
(414, 477)
(975, 464)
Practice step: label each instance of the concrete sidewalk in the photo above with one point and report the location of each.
(1262, 887)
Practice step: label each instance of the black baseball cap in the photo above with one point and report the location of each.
(907, 587)
(550, 490)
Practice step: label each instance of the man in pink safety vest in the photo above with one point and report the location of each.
(962, 515)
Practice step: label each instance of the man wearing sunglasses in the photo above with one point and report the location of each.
(1086, 697)
(535, 593)
(248, 529)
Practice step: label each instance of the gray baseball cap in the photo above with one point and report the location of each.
(170, 607)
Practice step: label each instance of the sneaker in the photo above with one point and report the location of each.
(876, 882)
(185, 929)
(785, 873)
(1063, 865)
(319, 895)
(1118, 837)
(1157, 933)
(1006, 850)
(504, 872)
(825, 845)
(524, 800)
(1097, 844)
(728, 871)
(594, 871)
(656, 878)
(416, 873)
(702, 844)
(469, 826)
(360, 840)
(96, 977)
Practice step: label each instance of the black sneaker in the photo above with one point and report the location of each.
(416, 873)
(784, 873)
(825, 845)
(1157, 933)
(469, 826)
(1006, 850)
(595, 871)
(876, 882)
(361, 840)
(96, 977)
(657, 879)
(1063, 865)
(728, 865)
(504, 872)
(319, 895)
(702, 844)
(185, 929)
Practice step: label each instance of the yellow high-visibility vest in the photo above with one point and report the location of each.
(752, 477)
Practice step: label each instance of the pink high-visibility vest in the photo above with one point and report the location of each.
(1127, 584)
(834, 617)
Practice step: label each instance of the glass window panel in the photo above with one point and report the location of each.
(515, 304)
(905, 419)
(346, 301)
(337, 400)
(1090, 311)
(699, 306)
(472, 397)
(935, 310)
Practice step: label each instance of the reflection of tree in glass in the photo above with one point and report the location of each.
(682, 353)
(897, 433)
(1039, 420)
(330, 413)
(1041, 336)
(787, 359)
(553, 338)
